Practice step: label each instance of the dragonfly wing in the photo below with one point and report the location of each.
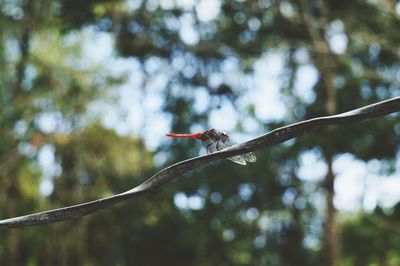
(249, 157)
(220, 145)
(212, 147)
(237, 159)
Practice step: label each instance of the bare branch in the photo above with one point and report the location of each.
(167, 174)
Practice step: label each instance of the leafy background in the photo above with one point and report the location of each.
(88, 88)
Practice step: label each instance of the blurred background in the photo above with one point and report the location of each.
(88, 89)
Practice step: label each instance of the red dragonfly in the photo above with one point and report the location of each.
(214, 140)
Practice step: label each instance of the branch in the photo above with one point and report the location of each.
(167, 174)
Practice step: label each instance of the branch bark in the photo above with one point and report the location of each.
(167, 174)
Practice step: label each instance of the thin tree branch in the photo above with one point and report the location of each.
(167, 174)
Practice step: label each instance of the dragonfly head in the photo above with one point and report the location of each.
(224, 136)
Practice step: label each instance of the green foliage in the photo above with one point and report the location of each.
(257, 215)
(372, 238)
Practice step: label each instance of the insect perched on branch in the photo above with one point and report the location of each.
(214, 140)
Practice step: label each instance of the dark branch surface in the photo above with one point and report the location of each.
(167, 174)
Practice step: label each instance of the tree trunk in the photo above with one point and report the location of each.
(12, 184)
(325, 62)
(11, 191)
(331, 229)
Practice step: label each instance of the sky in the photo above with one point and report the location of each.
(358, 184)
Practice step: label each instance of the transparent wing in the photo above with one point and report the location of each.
(211, 147)
(219, 145)
(250, 157)
(239, 159)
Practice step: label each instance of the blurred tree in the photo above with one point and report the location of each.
(95, 161)
(372, 238)
(264, 214)
(349, 52)
(43, 93)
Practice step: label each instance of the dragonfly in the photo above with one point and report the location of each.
(214, 140)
